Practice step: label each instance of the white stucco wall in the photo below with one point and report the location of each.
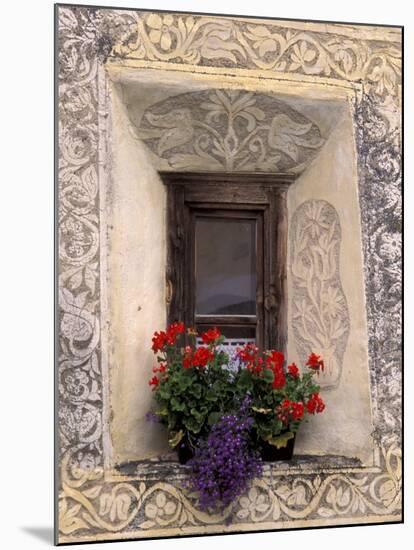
(345, 426)
(136, 289)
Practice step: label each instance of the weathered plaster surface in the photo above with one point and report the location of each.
(136, 288)
(96, 503)
(219, 123)
(336, 300)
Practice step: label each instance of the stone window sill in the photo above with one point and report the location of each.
(167, 467)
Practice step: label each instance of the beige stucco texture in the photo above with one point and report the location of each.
(345, 427)
(135, 250)
(135, 289)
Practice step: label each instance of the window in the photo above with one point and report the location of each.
(226, 259)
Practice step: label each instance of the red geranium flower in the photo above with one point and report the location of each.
(290, 410)
(293, 370)
(298, 410)
(274, 362)
(255, 365)
(275, 359)
(248, 353)
(211, 335)
(158, 341)
(201, 357)
(187, 357)
(279, 379)
(160, 368)
(173, 331)
(315, 404)
(315, 362)
(154, 382)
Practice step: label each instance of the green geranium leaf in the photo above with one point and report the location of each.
(172, 421)
(213, 417)
(184, 382)
(175, 438)
(196, 390)
(268, 376)
(295, 425)
(280, 440)
(198, 414)
(177, 405)
(211, 396)
(244, 381)
(192, 424)
(164, 393)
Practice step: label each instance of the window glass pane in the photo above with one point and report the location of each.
(225, 258)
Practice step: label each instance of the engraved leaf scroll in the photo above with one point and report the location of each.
(145, 506)
(229, 130)
(213, 41)
(320, 311)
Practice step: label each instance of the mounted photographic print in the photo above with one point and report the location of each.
(229, 274)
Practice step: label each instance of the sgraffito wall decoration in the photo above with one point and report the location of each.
(230, 130)
(320, 312)
(96, 499)
(268, 45)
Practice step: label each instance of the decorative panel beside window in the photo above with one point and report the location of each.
(226, 264)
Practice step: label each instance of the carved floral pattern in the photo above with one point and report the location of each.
(271, 47)
(89, 504)
(149, 505)
(230, 130)
(320, 317)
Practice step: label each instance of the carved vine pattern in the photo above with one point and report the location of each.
(229, 130)
(88, 504)
(320, 311)
(201, 41)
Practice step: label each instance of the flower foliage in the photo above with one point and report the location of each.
(224, 463)
(190, 386)
(281, 396)
(227, 415)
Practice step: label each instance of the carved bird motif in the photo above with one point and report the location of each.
(173, 129)
(286, 135)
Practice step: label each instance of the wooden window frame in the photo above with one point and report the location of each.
(189, 192)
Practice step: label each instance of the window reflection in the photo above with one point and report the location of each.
(225, 262)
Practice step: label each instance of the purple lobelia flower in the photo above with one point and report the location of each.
(224, 464)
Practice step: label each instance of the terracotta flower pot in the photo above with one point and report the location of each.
(270, 453)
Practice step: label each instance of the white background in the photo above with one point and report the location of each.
(26, 272)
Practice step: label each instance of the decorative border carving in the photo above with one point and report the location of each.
(91, 504)
(272, 47)
(320, 307)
